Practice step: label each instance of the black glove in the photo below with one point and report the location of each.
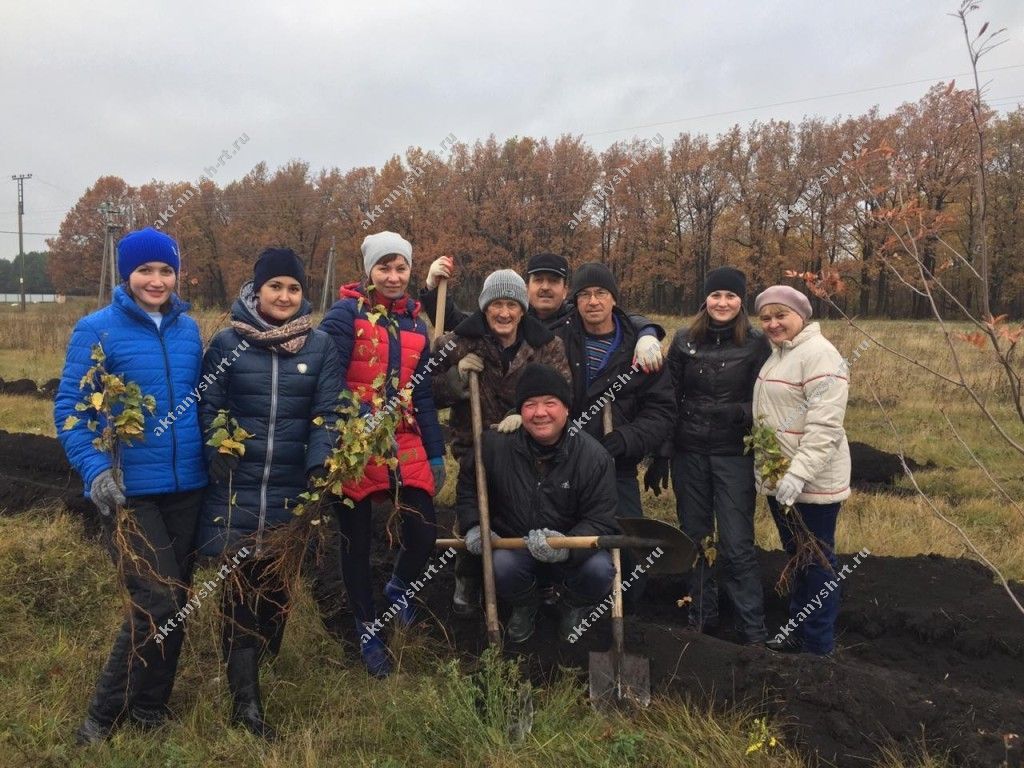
(615, 444)
(315, 477)
(222, 465)
(656, 477)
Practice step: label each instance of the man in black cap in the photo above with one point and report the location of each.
(543, 480)
(547, 288)
(599, 339)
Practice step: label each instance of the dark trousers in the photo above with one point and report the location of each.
(816, 626)
(417, 536)
(254, 605)
(140, 671)
(322, 568)
(585, 580)
(710, 488)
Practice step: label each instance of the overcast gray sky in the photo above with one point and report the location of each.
(157, 90)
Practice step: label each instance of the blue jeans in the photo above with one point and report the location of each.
(814, 599)
(586, 581)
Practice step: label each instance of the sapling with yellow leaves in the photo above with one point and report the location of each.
(772, 465)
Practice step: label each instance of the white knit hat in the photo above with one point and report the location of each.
(504, 284)
(376, 247)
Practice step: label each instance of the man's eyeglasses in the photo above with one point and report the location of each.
(598, 293)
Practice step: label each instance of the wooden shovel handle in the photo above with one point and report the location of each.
(490, 596)
(442, 300)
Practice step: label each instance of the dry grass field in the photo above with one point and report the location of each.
(59, 604)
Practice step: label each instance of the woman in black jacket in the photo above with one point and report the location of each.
(286, 376)
(714, 364)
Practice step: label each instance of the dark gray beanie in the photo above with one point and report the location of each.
(504, 284)
(595, 275)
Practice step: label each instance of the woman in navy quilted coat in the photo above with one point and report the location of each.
(287, 375)
(147, 339)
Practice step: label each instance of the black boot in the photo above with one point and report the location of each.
(244, 682)
(524, 614)
(92, 731)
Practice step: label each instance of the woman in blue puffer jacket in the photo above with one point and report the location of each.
(287, 375)
(147, 339)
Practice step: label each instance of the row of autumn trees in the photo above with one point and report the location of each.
(776, 196)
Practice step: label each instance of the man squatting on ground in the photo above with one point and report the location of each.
(543, 481)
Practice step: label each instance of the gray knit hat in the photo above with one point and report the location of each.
(504, 284)
(376, 247)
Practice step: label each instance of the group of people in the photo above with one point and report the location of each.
(577, 395)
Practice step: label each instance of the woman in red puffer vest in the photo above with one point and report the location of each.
(377, 330)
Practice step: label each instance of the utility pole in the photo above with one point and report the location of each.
(111, 225)
(328, 279)
(20, 178)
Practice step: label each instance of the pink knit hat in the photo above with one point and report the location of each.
(787, 296)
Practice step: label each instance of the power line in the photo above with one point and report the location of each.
(800, 101)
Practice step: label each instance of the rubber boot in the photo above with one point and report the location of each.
(523, 618)
(375, 654)
(244, 683)
(397, 593)
(571, 621)
(466, 598)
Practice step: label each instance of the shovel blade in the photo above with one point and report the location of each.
(633, 684)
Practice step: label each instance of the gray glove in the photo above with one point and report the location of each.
(471, 363)
(106, 492)
(537, 543)
(474, 541)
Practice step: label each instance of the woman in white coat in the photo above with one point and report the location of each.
(801, 393)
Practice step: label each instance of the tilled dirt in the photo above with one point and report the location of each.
(930, 648)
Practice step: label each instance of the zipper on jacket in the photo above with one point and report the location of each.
(269, 459)
(170, 390)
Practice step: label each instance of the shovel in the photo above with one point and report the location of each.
(616, 675)
(662, 549)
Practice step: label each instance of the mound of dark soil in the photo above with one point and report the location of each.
(872, 469)
(928, 646)
(21, 387)
(34, 470)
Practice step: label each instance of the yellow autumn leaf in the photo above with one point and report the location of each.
(96, 400)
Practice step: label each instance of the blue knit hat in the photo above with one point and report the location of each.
(143, 246)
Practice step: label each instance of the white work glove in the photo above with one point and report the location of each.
(106, 492)
(648, 354)
(510, 423)
(788, 489)
(475, 542)
(538, 545)
(440, 269)
(471, 362)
